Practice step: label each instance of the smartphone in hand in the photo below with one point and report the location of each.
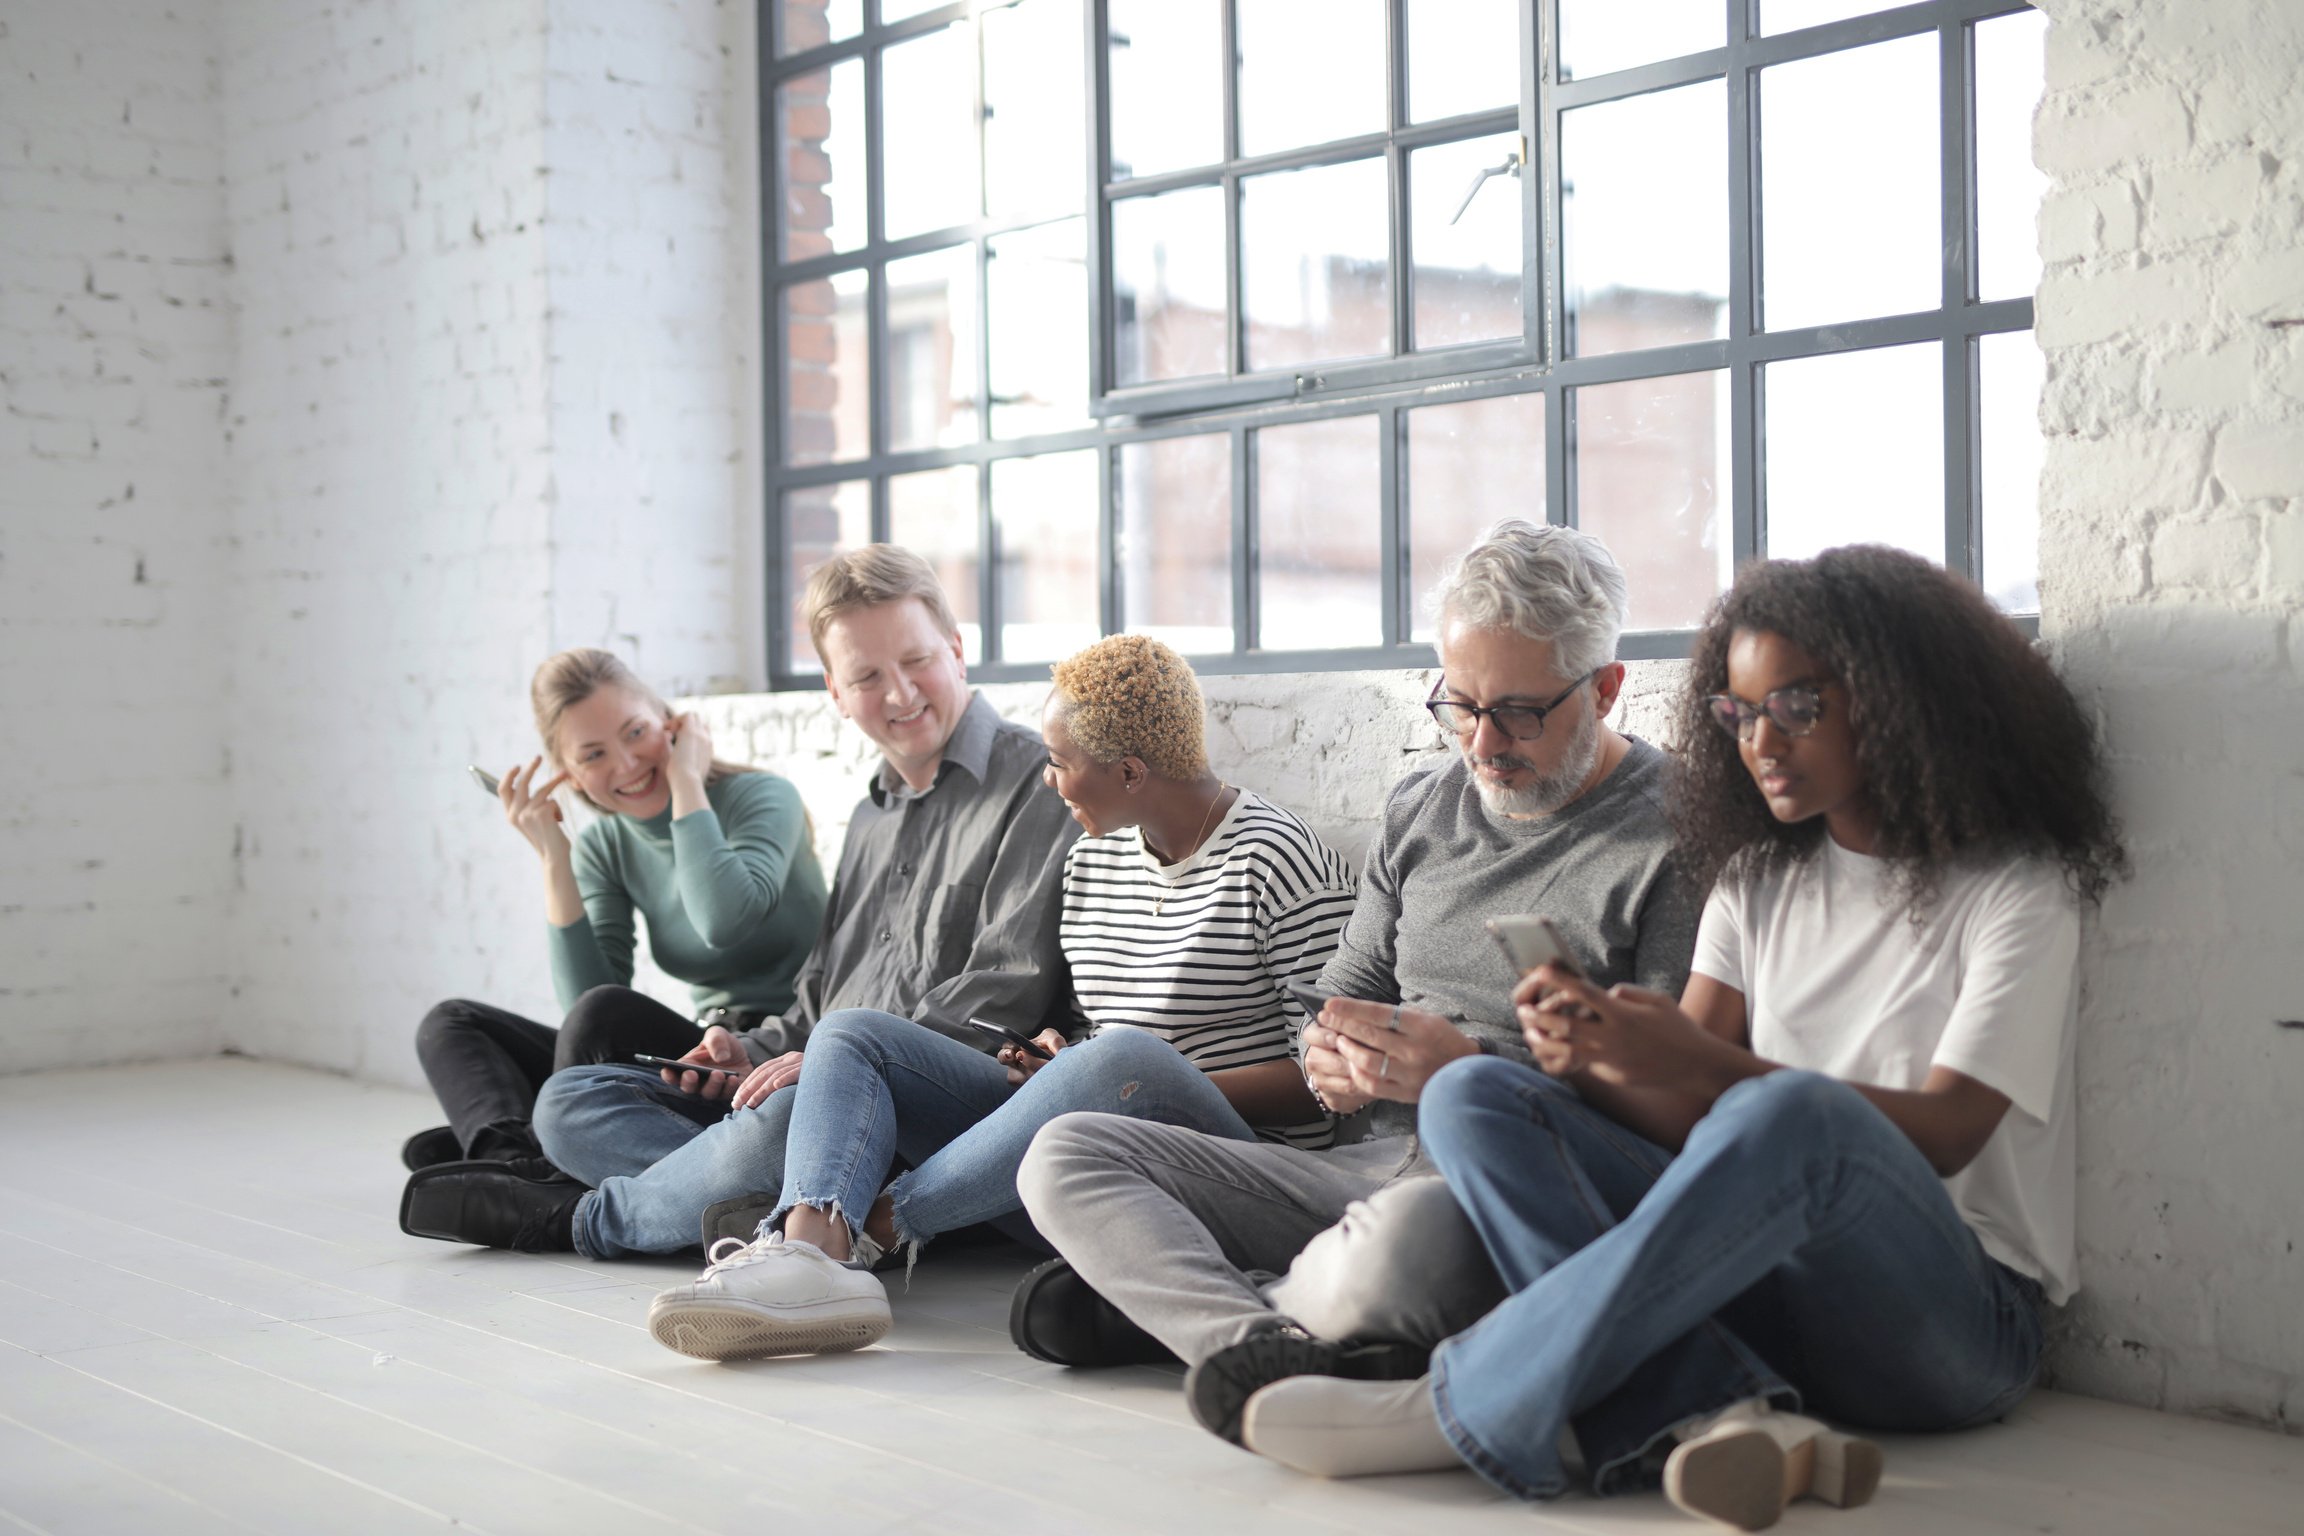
(669, 1065)
(1308, 1000)
(485, 780)
(1530, 942)
(1028, 1047)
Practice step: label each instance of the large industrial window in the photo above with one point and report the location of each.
(1230, 320)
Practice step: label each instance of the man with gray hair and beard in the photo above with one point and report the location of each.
(1252, 1261)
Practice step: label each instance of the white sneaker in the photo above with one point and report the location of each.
(1744, 1464)
(771, 1296)
(1331, 1427)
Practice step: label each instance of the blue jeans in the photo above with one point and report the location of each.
(656, 1157)
(1799, 1248)
(876, 1085)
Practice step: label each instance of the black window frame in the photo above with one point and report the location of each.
(1390, 387)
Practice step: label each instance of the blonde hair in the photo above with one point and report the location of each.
(569, 678)
(1131, 696)
(866, 578)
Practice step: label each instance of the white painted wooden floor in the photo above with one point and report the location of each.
(210, 1322)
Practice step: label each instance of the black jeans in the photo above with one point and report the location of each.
(485, 1064)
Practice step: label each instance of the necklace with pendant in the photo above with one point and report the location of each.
(1160, 901)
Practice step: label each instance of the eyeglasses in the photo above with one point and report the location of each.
(1521, 722)
(1795, 710)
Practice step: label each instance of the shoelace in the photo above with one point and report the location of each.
(735, 1252)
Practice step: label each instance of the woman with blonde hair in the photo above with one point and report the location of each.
(1188, 909)
(714, 857)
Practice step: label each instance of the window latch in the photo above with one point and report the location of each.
(1510, 166)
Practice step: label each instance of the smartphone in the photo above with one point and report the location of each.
(1308, 1000)
(687, 1066)
(1028, 1047)
(1529, 942)
(486, 781)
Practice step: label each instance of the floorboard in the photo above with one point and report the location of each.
(211, 1323)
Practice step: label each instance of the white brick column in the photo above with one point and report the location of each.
(2172, 568)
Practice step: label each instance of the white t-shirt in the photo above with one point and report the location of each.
(1837, 980)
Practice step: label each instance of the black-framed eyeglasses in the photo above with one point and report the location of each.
(1521, 722)
(1795, 710)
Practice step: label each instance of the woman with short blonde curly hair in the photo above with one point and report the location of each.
(1131, 696)
(1190, 909)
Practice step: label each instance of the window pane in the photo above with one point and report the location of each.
(1468, 465)
(1652, 484)
(1458, 58)
(2011, 370)
(1601, 36)
(1035, 123)
(1644, 199)
(2010, 70)
(1315, 275)
(1467, 278)
(807, 23)
(1310, 71)
(1046, 513)
(819, 522)
(928, 97)
(932, 349)
(1317, 535)
(1168, 286)
(1791, 15)
(821, 117)
(933, 514)
(1850, 185)
(1855, 451)
(900, 10)
(1039, 280)
(1167, 62)
(1175, 523)
(827, 372)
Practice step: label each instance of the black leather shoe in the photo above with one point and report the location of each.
(1219, 1387)
(739, 1218)
(427, 1148)
(1058, 1317)
(488, 1202)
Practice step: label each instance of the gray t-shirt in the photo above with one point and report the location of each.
(1600, 868)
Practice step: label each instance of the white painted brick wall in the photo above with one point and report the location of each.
(115, 824)
(392, 480)
(485, 413)
(2172, 315)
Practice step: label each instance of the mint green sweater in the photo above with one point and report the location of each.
(732, 897)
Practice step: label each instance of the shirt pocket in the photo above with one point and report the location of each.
(950, 931)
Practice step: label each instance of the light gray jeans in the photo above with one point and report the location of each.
(1202, 1241)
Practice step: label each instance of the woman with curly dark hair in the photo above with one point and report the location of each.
(1838, 1173)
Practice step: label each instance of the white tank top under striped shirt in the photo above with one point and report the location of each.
(1198, 952)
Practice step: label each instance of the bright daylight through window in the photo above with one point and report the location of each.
(1228, 321)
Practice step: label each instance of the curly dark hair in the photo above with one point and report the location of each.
(1970, 744)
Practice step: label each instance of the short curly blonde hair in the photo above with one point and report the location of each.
(1131, 696)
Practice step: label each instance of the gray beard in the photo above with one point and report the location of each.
(1545, 792)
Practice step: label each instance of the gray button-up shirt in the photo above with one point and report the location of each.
(946, 901)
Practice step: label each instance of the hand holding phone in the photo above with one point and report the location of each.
(671, 1065)
(1308, 1000)
(1028, 1046)
(1530, 943)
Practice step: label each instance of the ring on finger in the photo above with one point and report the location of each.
(1385, 1071)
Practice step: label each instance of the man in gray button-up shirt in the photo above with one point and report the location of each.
(944, 909)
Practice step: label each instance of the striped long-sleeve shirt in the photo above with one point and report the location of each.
(1198, 952)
